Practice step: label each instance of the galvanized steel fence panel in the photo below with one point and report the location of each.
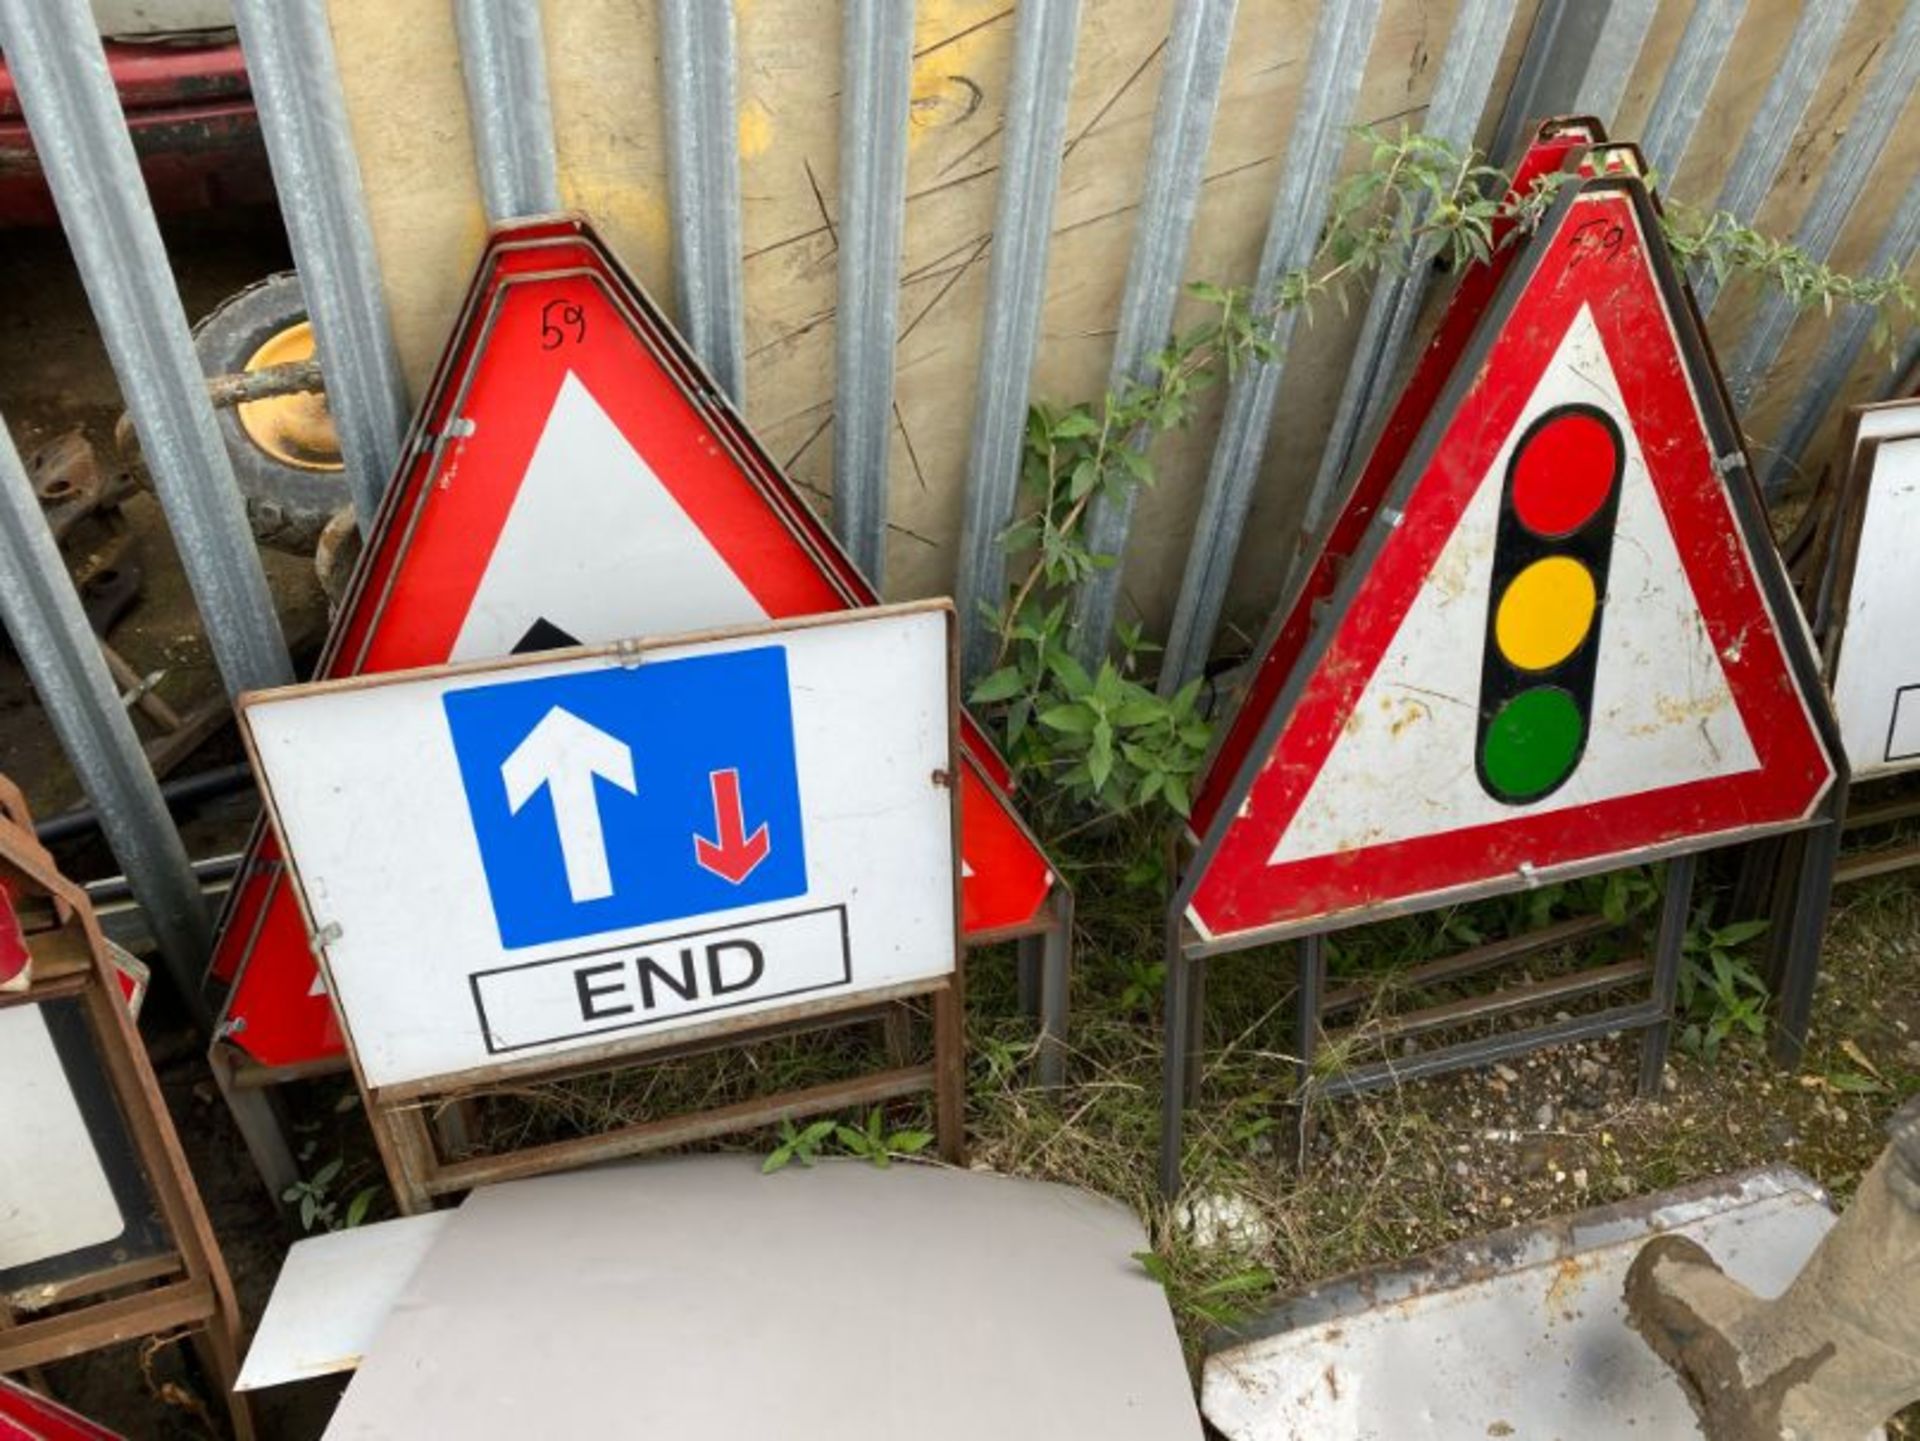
(1341, 39)
(1036, 123)
(296, 90)
(1195, 61)
(72, 110)
(703, 181)
(1758, 161)
(55, 639)
(876, 91)
(503, 62)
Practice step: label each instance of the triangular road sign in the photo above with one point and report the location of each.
(573, 477)
(1557, 145)
(1565, 641)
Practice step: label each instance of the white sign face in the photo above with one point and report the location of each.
(515, 860)
(1876, 677)
(55, 1197)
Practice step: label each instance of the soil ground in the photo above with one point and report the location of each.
(1384, 1177)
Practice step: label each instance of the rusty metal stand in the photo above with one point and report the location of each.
(420, 1175)
(1653, 1016)
(187, 1286)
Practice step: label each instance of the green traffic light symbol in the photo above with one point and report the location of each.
(1551, 555)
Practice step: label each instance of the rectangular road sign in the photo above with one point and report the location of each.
(604, 848)
(1874, 664)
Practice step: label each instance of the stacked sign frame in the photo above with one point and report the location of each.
(436, 1012)
(160, 1269)
(1857, 579)
(1304, 825)
(276, 1022)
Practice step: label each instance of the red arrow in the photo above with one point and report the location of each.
(737, 854)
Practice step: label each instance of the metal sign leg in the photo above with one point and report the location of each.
(1055, 978)
(1813, 893)
(1308, 1004)
(1672, 935)
(255, 1113)
(1196, 1026)
(1028, 957)
(1173, 1076)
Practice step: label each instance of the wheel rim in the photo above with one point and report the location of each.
(296, 430)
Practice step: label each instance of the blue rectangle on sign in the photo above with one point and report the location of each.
(617, 798)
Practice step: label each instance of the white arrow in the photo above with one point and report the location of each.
(564, 754)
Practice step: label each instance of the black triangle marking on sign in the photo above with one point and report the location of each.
(543, 634)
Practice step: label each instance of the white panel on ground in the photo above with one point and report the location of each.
(697, 1297)
(1523, 1334)
(54, 1193)
(332, 1297)
(1418, 714)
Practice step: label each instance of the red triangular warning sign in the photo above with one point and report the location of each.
(1557, 144)
(1565, 641)
(573, 478)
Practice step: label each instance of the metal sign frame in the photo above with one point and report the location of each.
(1187, 951)
(398, 1112)
(183, 1283)
(1834, 577)
(525, 252)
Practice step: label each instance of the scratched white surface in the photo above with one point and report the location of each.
(1662, 711)
(370, 802)
(1537, 1350)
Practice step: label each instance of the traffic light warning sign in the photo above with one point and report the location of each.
(1565, 642)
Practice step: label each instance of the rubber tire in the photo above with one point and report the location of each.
(286, 506)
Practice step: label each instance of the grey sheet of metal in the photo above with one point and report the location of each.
(1843, 179)
(1037, 93)
(1522, 1333)
(1193, 65)
(1579, 56)
(504, 63)
(703, 185)
(1689, 79)
(1342, 36)
(1782, 109)
(73, 114)
(332, 1297)
(296, 89)
(876, 96)
(1847, 338)
(697, 1297)
(56, 642)
(1453, 114)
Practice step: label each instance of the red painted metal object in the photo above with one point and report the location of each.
(189, 109)
(28, 1416)
(1523, 674)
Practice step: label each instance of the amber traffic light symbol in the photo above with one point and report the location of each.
(1548, 597)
